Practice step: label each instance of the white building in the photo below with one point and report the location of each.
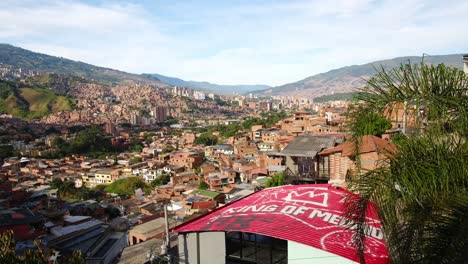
(197, 95)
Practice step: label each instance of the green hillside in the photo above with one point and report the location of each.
(29, 102)
(349, 78)
(334, 97)
(22, 58)
(25, 59)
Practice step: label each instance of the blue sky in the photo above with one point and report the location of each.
(234, 41)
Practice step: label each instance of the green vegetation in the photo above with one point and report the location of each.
(422, 196)
(90, 141)
(26, 59)
(36, 256)
(202, 185)
(168, 149)
(169, 122)
(127, 186)
(276, 180)
(136, 145)
(10, 101)
(67, 191)
(6, 151)
(206, 139)
(136, 159)
(335, 97)
(235, 129)
(364, 121)
(31, 102)
(161, 180)
(356, 75)
(43, 102)
(267, 120)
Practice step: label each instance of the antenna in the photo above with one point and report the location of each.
(422, 60)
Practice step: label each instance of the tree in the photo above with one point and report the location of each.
(206, 139)
(275, 180)
(112, 212)
(202, 185)
(168, 149)
(366, 122)
(126, 186)
(422, 193)
(135, 159)
(67, 191)
(89, 140)
(37, 256)
(161, 180)
(6, 151)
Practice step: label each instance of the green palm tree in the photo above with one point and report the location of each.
(422, 191)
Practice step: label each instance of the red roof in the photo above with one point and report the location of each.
(259, 171)
(367, 144)
(203, 204)
(308, 214)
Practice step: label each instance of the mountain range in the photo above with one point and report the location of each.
(29, 60)
(348, 79)
(342, 80)
(26, 59)
(206, 86)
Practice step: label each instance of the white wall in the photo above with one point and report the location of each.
(302, 254)
(212, 248)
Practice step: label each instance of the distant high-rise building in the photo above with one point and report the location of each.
(161, 113)
(109, 128)
(465, 63)
(197, 95)
(266, 105)
(146, 121)
(135, 119)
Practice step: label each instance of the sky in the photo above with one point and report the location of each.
(234, 41)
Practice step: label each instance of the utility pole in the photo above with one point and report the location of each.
(404, 117)
(168, 240)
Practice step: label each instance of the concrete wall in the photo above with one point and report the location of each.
(201, 248)
(302, 254)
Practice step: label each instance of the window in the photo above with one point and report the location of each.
(249, 248)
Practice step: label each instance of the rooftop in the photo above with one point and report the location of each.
(206, 193)
(308, 145)
(150, 228)
(308, 214)
(367, 144)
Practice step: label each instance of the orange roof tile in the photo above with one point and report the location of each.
(368, 144)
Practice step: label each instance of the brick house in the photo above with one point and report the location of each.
(189, 159)
(245, 149)
(339, 163)
(206, 168)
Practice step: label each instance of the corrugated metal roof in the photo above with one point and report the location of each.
(308, 214)
(308, 146)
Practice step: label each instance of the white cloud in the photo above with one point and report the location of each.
(220, 42)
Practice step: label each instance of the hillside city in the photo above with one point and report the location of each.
(360, 164)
